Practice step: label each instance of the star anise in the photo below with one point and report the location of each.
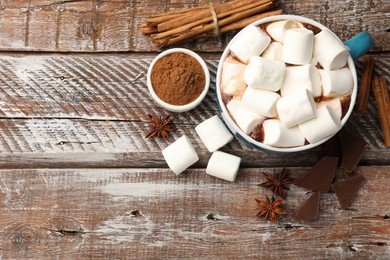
(270, 208)
(161, 128)
(277, 182)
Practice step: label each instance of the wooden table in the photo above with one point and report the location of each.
(80, 181)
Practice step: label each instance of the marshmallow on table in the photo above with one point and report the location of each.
(264, 73)
(325, 124)
(329, 51)
(251, 42)
(336, 82)
(298, 46)
(245, 119)
(233, 77)
(180, 155)
(273, 52)
(301, 77)
(278, 29)
(213, 133)
(296, 108)
(223, 165)
(278, 135)
(334, 104)
(262, 102)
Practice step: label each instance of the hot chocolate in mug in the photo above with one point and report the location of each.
(259, 68)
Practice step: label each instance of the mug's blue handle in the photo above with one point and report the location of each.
(359, 45)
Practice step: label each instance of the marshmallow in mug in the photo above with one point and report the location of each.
(325, 124)
(278, 135)
(233, 77)
(277, 30)
(329, 50)
(298, 46)
(245, 119)
(251, 42)
(262, 102)
(213, 133)
(273, 52)
(334, 104)
(296, 108)
(180, 155)
(223, 165)
(264, 73)
(301, 77)
(336, 82)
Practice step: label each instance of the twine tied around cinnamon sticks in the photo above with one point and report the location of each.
(215, 19)
(200, 22)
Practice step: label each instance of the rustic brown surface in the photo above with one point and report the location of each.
(79, 181)
(96, 25)
(143, 213)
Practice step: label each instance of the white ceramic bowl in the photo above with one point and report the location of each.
(189, 106)
(247, 139)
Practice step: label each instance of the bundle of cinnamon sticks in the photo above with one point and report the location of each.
(183, 25)
(381, 94)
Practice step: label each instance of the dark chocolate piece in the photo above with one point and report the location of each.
(346, 190)
(320, 176)
(332, 148)
(353, 149)
(309, 209)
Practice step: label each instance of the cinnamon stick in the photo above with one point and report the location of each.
(187, 24)
(200, 29)
(206, 16)
(162, 17)
(383, 104)
(209, 18)
(365, 85)
(242, 23)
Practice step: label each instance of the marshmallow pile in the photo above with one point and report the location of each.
(181, 154)
(288, 81)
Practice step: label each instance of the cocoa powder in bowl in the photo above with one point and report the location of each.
(178, 78)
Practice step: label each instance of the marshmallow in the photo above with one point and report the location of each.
(233, 77)
(296, 108)
(329, 51)
(251, 42)
(301, 77)
(278, 29)
(262, 102)
(264, 73)
(213, 133)
(276, 134)
(223, 165)
(245, 119)
(336, 82)
(298, 46)
(273, 52)
(180, 155)
(324, 125)
(334, 104)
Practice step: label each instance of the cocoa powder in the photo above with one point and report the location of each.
(178, 78)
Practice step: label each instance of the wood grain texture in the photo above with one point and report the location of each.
(91, 111)
(113, 25)
(149, 214)
(78, 180)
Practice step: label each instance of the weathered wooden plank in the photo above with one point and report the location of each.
(91, 111)
(93, 25)
(136, 213)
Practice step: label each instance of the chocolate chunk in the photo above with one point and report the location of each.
(332, 148)
(309, 209)
(353, 149)
(320, 176)
(346, 190)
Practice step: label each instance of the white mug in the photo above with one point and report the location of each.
(356, 47)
